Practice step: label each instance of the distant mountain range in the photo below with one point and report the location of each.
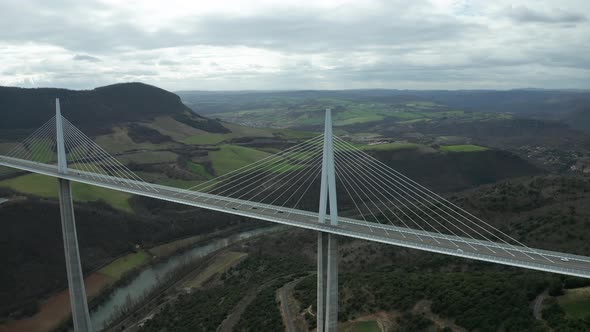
(104, 107)
(97, 109)
(546, 103)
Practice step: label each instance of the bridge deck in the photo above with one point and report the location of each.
(536, 259)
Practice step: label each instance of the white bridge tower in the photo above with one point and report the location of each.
(80, 314)
(327, 293)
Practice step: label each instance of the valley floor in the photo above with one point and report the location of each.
(55, 311)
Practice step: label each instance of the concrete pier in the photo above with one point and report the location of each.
(80, 314)
(327, 292)
(78, 300)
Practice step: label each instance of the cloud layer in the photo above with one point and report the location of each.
(336, 44)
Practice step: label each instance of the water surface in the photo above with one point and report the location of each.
(153, 275)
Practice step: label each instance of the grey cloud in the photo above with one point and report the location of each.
(302, 32)
(397, 44)
(299, 31)
(169, 63)
(85, 57)
(136, 72)
(527, 15)
(8, 72)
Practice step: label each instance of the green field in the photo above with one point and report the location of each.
(363, 326)
(427, 104)
(284, 167)
(207, 139)
(183, 184)
(221, 263)
(381, 147)
(169, 248)
(199, 169)
(238, 131)
(148, 157)
(352, 117)
(46, 186)
(119, 141)
(415, 121)
(231, 157)
(40, 151)
(122, 265)
(462, 148)
(311, 113)
(576, 302)
(391, 146)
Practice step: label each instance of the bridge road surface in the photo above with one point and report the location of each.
(536, 259)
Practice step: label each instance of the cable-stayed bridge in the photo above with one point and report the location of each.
(359, 197)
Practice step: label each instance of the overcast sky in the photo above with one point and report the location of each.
(296, 44)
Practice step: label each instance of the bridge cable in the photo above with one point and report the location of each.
(110, 171)
(237, 183)
(94, 159)
(392, 174)
(469, 235)
(112, 165)
(79, 159)
(360, 213)
(16, 151)
(118, 169)
(20, 150)
(389, 180)
(237, 179)
(241, 170)
(310, 169)
(263, 172)
(311, 180)
(345, 162)
(39, 152)
(282, 173)
(373, 189)
(369, 172)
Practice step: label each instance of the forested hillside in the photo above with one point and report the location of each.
(96, 109)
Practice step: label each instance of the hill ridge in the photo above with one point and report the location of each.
(98, 109)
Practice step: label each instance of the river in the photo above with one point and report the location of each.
(152, 275)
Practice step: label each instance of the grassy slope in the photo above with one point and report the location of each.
(170, 127)
(171, 247)
(220, 264)
(45, 186)
(199, 169)
(391, 146)
(119, 141)
(361, 326)
(311, 113)
(148, 157)
(177, 183)
(242, 131)
(462, 148)
(122, 265)
(223, 161)
(230, 157)
(576, 302)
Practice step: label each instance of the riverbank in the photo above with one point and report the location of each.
(158, 277)
(242, 295)
(198, 274)
(55, 311)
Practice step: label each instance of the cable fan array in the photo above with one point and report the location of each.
(84, 157)
(282, 179)
(369, 191)
(382, 195)
(39, 147)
